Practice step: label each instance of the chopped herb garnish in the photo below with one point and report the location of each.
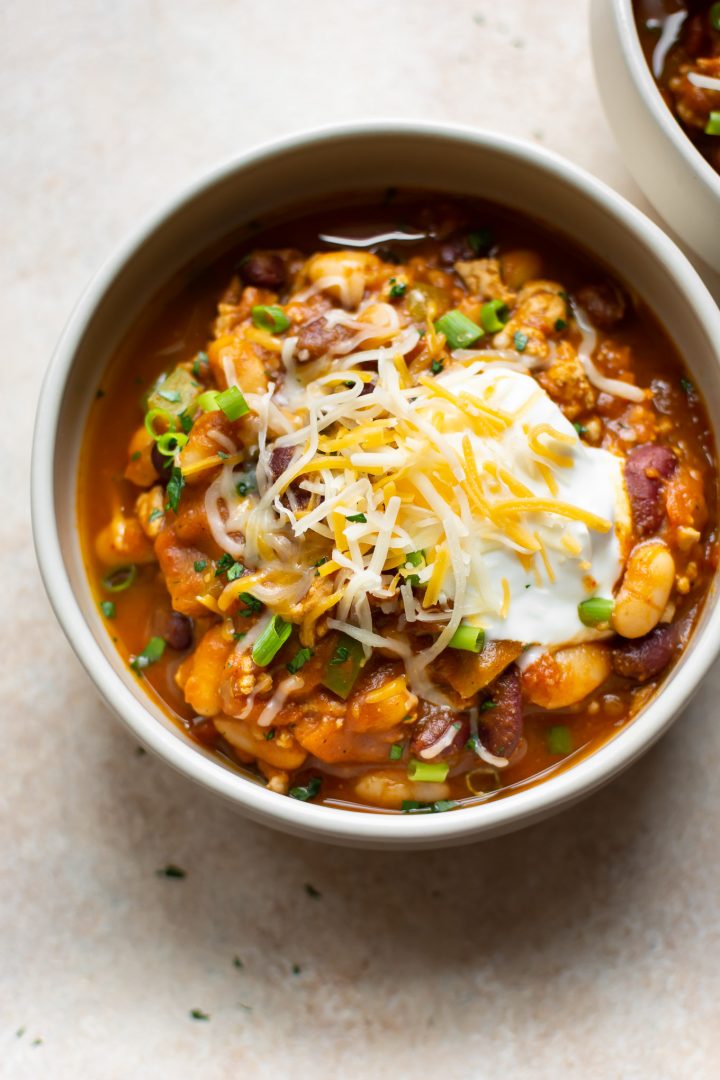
(306, 791)
(232, 403)
(299, 660)
(187, 422)
(223, 455)
(155, 514)
(252, 604)
(223, 564)
(270, 317)
(559, 740)
(269, 734)
(487, 705)
(198, 1014)
(237, 962)
(108, 609)
(397, 289)
(174, 489)
(99, 394)
(200, 361)
(296, 969)
(460, 331)
(271, 640)
(520, 341)
(356, 518)
(469, 638)
(415, 558)
(136, 456)
(436, 367)
(686, 385)
(247, 482)
(237, 636)
(171, 871)
(120, 579)
(410, 806)
(199, 565)
(152, 652)
(312, 891)
(560, 325)
(235, 572)
(396, 751)
(581, 429)
(340, 655)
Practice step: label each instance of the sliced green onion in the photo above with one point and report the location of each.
(459, 331)
(468, 638)
(271, 641)
(208, 401)
(232, 403)
(715, 16)
(494, 315)
(396, 751)
(344, 666)
(415, 558)
(270, 317)
(152, 652)
(559, 740)
(155, 414)
(409, 806)
(430, 772)
(713, 125)
(299, 660)
(108, 609)
(120, 579)
(520, 341)
(595, 611)
(170, 442)
(306, 791)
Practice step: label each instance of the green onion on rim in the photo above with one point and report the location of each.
(270, 317)
(271, 641)
(170, 442)
(468, 638)
(494, 315)
(596, 611)
(120, 579)
(460, 332)
(232, 403)
(430, 772)
(713, 125)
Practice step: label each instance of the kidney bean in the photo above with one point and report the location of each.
(643, 658)
(433, 723)
(264, 269)
(177, 629)
(604, 304)
(646, 469)
(317, 337)
(501, 727)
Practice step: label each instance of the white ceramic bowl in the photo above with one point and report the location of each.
(678, 181)
(371, 155)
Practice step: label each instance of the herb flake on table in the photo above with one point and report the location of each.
(172, 871)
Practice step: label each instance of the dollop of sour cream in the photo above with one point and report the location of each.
(578, 562)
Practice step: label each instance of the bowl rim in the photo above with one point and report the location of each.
(645, 82)
(330, 823)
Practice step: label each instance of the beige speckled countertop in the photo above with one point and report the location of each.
(587, 946)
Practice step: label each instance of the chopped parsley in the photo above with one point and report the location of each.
(560, 325)
(686, 386)
(235, 572)
(237, 962)
(200, 361)
(174, 489)
(306, 791)
(356, 518)
(396, 751)
(108, 609)
(580, 428)
(155, 514)
(321, 562)
(487, 705)
(199, 565)
(340, 655)
(247, 483)
(136, 456)
(227, 565)
(520, 341)
(296, 969)
(312, 891)
(299, 660)
(436, 367)
(252, 604)
(410, 806)
(198, 1014)
(171, 871)
(269, 734)
(187, 422)
(397, 288)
